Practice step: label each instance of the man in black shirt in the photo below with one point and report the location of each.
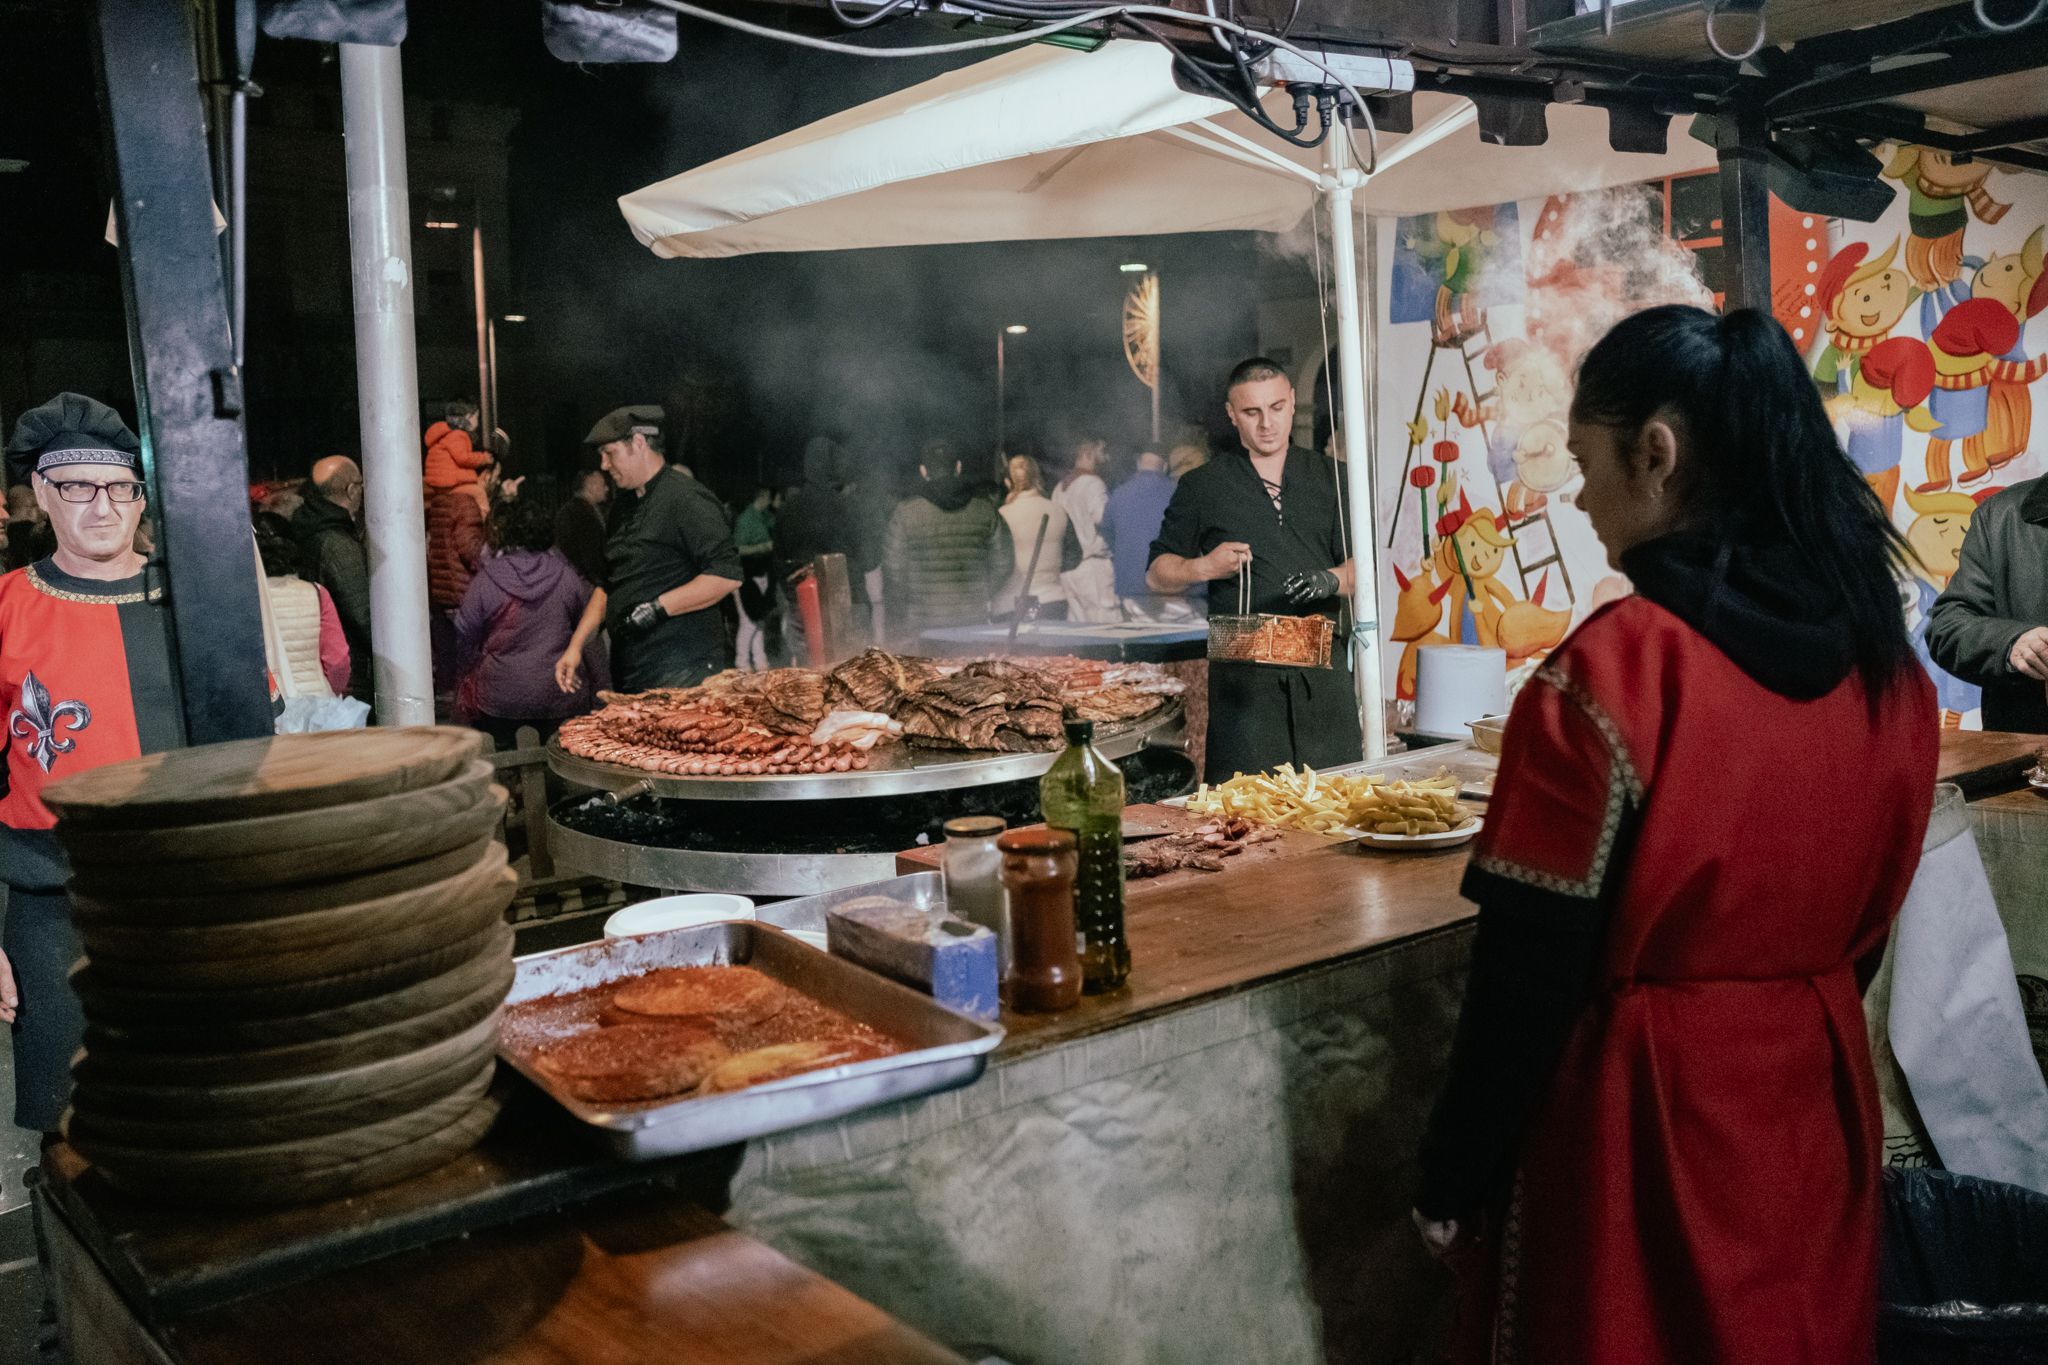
(669, 562)
(1275, 514)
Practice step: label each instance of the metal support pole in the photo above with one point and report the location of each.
(1353, 358)
(491, 368)
(486, 400)
(188, 392)
(387, 381)
(1158, 346)
(1002, 451)
(1744, 145)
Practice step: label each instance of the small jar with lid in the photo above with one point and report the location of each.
(973, 869)
(1045, 959)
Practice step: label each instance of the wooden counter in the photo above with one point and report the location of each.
(640, 1281)
(1311, 901)
(1986, 762)
(534, 1249)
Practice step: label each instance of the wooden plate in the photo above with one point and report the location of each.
(476, 907)
(401, 844)
(296, 1093)
(293, 933)
(249, 1190)
(107, 1059)
(170, 847)
(242, 907)
(217, 1130)
(304, 1154)
(137, 1005)
(258, 777)
(163, 1032)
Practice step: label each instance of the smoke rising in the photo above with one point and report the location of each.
(1595, 258)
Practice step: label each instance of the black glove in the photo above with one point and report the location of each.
(645, 617)
(1304, 588)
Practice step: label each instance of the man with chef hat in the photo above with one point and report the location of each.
(85, 679)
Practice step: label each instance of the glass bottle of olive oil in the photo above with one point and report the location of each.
(1084, 792)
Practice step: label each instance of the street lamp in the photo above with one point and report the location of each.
(1015, 329)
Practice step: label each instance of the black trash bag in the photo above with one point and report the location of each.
(1964, 1277)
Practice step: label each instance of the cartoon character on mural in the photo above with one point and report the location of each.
(1940, 521)
(1455, 250)
(1888, 393)
(2017, 282)
(1860, 302)
(1530, 630)
(1470, 547)
(1525, 421)
(1941, 193)
(1418, 611)
(1977, 345)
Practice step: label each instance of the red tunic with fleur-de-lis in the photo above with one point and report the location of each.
(85, 679)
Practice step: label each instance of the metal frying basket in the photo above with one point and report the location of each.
(1259, 638)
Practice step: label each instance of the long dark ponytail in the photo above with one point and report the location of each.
(1764, 465)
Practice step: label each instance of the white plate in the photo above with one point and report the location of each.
(2037, 777)
(677, 912)
(1448, 839)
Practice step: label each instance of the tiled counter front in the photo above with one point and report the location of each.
(1226, 1182)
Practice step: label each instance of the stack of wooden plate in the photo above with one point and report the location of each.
(296, 956)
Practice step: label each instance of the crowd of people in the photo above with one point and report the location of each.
(642, 577)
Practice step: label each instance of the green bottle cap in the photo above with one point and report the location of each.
(1080, 732)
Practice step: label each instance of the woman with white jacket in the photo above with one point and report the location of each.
(1082, 495)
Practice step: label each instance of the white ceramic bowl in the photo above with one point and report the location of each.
(677, 912)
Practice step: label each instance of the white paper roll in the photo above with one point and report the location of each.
(1457, 683)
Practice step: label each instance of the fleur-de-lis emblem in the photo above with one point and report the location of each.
(37, 721)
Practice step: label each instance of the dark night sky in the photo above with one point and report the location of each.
(886, 347)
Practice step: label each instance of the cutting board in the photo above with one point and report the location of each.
(307, 831)
(259, 777)
(255, 871)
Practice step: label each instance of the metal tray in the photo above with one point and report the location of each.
(947, 1050)
(894, 770)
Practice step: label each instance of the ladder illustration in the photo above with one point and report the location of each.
(1472, 347)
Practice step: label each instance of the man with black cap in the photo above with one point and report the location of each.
(669, 562)
(85, 675)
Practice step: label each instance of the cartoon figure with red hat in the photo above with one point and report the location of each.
(1940, 522)
(1976, 345)
(1860, 301)
(2017, 282)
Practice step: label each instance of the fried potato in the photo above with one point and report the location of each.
(1327, 803)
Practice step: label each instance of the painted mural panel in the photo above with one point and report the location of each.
(1916, 328)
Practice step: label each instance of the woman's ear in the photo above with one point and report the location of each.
(1653, 459)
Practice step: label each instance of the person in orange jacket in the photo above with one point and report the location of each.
(452, 457)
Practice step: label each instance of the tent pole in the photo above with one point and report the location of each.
(1341, 183)
(387, 381)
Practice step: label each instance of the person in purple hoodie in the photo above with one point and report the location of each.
(514, 622)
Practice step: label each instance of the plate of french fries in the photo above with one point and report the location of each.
(1393, 813)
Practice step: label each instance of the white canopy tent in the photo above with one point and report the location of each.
(1052, 142)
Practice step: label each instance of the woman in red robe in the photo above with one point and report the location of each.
(1659, 1140)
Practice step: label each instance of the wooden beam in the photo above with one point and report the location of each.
(1744, 144)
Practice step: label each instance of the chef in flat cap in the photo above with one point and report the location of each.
(85, 678)
(669, 562)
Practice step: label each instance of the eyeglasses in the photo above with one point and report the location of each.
(85, 490)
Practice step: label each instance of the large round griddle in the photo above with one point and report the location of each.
(893, 770)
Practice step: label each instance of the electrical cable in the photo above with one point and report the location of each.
(1058, 25)
(867, 20)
